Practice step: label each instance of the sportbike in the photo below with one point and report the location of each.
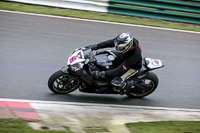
(81, 64)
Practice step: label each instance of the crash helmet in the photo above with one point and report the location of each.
(123, 42)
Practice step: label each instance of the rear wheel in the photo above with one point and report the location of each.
(63, 83)
(144, 86)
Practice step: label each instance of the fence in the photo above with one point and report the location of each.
(158, 9)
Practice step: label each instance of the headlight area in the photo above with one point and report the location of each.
(77, 66)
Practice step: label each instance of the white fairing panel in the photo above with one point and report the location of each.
(76, 57)
(154, 63)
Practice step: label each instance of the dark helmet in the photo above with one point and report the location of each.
(123, 42)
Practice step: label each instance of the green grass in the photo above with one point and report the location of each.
(20, 126)
(96, 16)
(165, 127)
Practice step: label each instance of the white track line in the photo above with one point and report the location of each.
(97, 104)
(98, 21)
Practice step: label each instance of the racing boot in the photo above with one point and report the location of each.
(119, 85)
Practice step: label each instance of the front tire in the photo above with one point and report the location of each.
(63, 83)
(148, 82)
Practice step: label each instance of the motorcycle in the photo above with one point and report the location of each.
(79, 74)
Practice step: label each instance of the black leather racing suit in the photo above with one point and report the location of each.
(131, 59)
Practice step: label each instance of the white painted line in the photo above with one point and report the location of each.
(100, 105)
(98, 21)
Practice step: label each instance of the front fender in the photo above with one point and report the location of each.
(65, 69)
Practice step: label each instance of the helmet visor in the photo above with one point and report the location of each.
(122, 47)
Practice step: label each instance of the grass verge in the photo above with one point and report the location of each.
(165, 127)
(20, 126)
(96, 16)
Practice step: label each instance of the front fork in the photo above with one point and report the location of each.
(65, 69)
(72, 77)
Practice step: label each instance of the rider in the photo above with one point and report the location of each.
(131, 59)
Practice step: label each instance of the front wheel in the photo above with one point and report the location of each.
(144, 86)
(63, 83)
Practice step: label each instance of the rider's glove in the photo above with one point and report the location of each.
(92, 47)
(98, 74)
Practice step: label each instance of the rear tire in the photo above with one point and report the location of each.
(63, 83)
(149, 82)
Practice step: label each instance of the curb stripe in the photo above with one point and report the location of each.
(22, 110)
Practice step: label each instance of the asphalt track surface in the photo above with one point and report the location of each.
(34, 47)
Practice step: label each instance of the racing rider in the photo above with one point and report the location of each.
(130, 53)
